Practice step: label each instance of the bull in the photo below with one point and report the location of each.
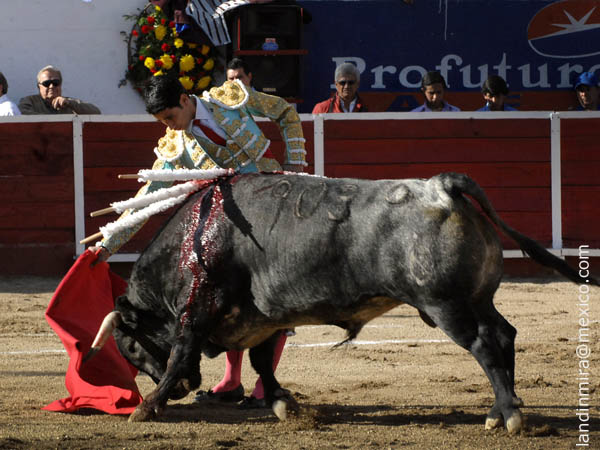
(250, 255)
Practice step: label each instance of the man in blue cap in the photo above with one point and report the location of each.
(587, 90)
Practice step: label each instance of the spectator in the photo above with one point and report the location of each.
(433, 86)
(50, 99)
(237, 69)
(7, 107)
(494, 91)
(345, 99)
(586, 88)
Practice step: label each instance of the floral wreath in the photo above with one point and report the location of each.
(154, 48)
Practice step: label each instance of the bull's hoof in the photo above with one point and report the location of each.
(280, 409)
(284, 406)
(493, 422)
(514, 424)
(517, 402)
(142, 414)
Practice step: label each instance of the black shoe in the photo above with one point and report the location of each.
(232, 396)
(252, 403)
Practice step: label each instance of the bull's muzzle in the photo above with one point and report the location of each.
(110, 322)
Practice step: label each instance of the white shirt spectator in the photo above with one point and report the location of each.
(7, 107)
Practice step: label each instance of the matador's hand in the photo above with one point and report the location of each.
(102, 253)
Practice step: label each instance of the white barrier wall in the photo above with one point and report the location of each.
(80, 37)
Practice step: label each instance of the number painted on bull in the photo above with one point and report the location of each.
(280, 191)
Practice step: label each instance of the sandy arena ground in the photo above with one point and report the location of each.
(400, 385)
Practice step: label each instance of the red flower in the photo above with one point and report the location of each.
(171, 24)
(150, 20)
(146, 29)
(153, 70)
(163, 21)
(158, 62)
(142, 57)
(135, 33)
(165, 47)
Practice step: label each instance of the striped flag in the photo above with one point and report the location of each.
(210, 16)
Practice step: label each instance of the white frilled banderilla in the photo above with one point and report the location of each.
(157, 201)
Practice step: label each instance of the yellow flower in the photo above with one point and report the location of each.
(149, 63)
(159, 73)
(178, 43)
(203, 82)
(157, 8)
(160, 32)
(209, 64)
(186, 82)
(186, 63)
(205, 49)
(167, 61)
(192, 45)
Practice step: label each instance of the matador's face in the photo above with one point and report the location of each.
(179, 117)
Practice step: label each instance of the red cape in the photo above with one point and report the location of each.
(81, 301)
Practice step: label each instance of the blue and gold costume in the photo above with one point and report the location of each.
(232, 106)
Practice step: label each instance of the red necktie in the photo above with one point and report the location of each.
(210, 134)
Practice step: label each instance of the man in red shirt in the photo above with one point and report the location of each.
(345, 99)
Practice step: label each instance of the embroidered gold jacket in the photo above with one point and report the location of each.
(232, 106)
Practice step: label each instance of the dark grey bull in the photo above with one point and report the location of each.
(251, 255)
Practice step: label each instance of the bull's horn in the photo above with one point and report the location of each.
(110, 322)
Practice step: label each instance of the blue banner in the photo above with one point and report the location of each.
(538, 47)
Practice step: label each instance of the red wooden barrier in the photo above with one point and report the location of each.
(580, 164)
(510, 158)
(36, 199)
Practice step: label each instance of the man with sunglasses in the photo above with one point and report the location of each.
(345, 99)
(50, 99)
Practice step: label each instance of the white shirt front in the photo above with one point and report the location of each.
(206, 119)
(7, 107)
(352, 105)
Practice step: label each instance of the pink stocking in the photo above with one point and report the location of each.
(233, 372)
(259, 391)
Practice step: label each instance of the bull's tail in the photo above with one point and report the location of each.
(457, 184)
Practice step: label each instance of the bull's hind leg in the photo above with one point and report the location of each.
(278, 398)
(181, 376)
(476, 333)
(506, 333)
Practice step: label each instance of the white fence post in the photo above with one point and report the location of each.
(319, 145)
(78, 183)
(555, 182)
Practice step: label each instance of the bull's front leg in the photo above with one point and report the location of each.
(181, 376)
